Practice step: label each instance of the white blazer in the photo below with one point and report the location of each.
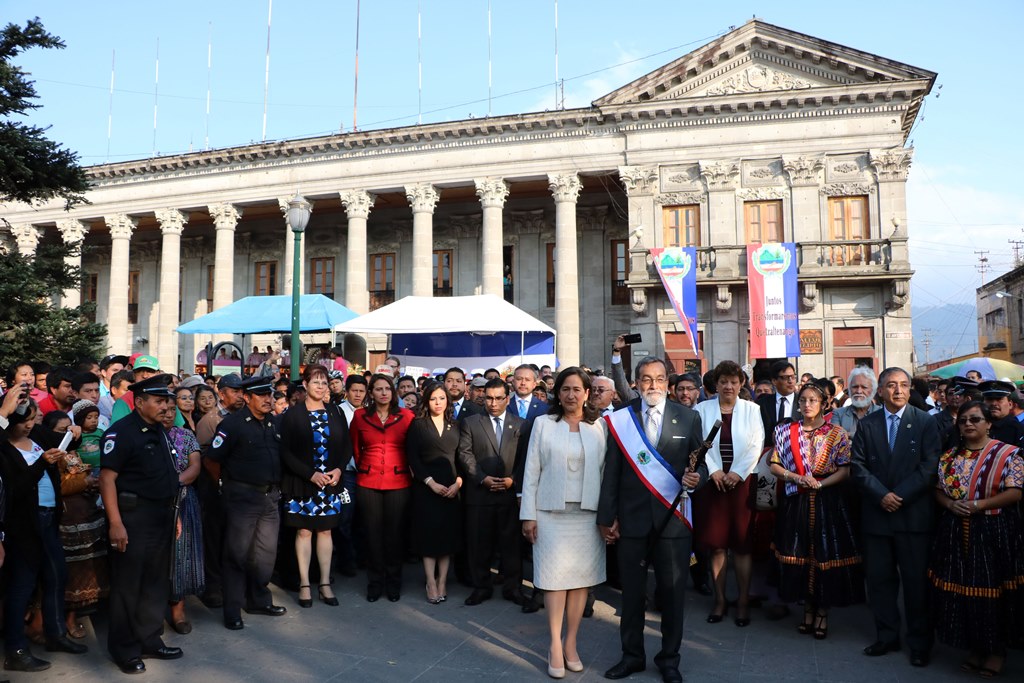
(747, 435)
(546, 470)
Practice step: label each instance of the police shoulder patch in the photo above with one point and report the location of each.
(218, 440)
(108, 447)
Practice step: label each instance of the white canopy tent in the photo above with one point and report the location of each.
(470, 332)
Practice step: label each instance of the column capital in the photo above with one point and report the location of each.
(225, 216)
(121, 225)
(492, 192)
(891, 164)
(422, 197)
(27, 236)
(639, 179)
(172, 221)
(564, 186)
(803, 171)
(357, 203)
(719, 175)
(72, 230)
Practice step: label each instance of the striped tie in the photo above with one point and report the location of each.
(894, 425)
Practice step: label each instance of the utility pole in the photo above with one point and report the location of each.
(927, 341)
(1018, 251)
(982, 266)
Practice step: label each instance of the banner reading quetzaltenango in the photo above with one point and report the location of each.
(677, 268)
(774, 313)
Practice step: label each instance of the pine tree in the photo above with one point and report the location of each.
(32, 167)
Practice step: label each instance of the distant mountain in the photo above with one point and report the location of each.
(952, 329)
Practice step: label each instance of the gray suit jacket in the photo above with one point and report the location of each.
(909, 470)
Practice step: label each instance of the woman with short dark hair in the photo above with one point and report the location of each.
(315, 450)
(727, 505)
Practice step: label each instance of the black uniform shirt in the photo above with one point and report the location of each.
(248, 450)
(142, 457)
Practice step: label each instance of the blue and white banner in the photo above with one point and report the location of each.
(677, 268)
(774, 316)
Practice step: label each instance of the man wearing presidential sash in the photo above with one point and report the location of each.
(646, 464)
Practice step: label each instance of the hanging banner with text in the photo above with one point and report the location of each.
(774, 316)
(677, 268)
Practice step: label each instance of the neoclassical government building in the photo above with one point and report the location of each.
(763, 135)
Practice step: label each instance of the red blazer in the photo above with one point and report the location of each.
(379, 450)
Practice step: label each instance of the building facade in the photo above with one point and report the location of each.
(763, 135)
(1000, 305)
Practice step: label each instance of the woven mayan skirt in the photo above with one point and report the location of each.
(976, 578)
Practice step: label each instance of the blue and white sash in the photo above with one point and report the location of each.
(652, 469)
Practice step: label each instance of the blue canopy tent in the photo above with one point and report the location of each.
(263, 314)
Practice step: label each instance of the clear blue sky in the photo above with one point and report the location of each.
(963, 191)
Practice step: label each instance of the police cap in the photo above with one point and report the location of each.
(157, 385)
(996, 388)
(258, 385)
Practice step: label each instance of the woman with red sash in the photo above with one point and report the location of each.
(815, 538)
(977, 563)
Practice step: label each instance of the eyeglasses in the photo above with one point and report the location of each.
(650, 381)
(973, 419)
(787, 378)
(600, 390)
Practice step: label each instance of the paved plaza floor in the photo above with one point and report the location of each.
(412, 640)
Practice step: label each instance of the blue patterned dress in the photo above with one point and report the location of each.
(322, 510)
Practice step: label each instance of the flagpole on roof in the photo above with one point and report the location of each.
(355, 97)
(110, 104)
(419, 63)
(489, 81)
(209, 69)
(156, 92)
(266, 75)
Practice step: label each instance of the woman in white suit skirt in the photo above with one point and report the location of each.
(561, 487)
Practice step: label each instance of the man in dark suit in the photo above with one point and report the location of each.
(778, 406)
(629, 514)
(455, 385)
(524, 404)
(486, 458)
(893, 463)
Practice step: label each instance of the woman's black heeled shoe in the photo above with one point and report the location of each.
(717, 618)
(332, 601)
(742, 622)
(820, 626)
(807, 626)
(305, 602)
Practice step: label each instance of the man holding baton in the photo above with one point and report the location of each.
(648, 460)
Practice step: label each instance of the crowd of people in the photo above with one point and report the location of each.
(817, 492)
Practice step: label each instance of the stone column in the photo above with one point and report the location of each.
(27, 236)
(492, 193)
(225, 219)
(121, 227)
(423, 198)
(172, 223)
(357, 207)
(565, 187)
(73, 233)
(289, 252)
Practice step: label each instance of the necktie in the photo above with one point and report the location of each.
(652, 425)
(894, 425)
(523, 408)
(455, 413)
(497, 430)
(782, 408)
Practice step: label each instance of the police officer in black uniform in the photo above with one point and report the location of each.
(139, 486)
(1005, 426)
(245, 457)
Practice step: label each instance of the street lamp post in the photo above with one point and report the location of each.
(297, 217)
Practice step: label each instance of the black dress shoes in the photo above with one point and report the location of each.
(515, 596)
(235, 624)
(23, 660)
(919, 658)
(65, 644)
(534, 602)
(212, 600)
(373, 593)
(134, 666)
(703, 589)
(477, 596)
(624, 669)
(671, 676)
(394, 596)
(164, 653)
(268, 610)
(878, 648)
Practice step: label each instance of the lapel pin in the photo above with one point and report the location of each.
(674, 421)
(908, 425)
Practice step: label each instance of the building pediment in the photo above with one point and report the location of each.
(762, 58)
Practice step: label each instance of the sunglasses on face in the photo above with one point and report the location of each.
(973, 419)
